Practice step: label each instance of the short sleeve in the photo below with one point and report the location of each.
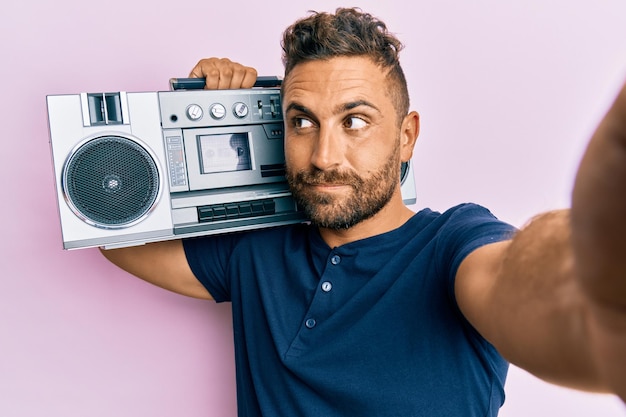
(468, 227)
(208, 258)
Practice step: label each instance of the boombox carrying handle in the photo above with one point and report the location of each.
(198, 83)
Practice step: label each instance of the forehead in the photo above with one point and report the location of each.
(335, 80)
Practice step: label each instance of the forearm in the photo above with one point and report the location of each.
(540, 316)
(599, 211)
(162, 263)
(599, 241)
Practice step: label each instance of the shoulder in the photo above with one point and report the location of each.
(258, 238)
(465, 222)
(216, 259)
(462, 212)
(468, 212)
(463, 231)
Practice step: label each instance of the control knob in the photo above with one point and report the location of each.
(194, 112)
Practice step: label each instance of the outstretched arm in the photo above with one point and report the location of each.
(553, 300)
(599, 241)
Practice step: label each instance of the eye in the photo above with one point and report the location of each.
(302, 123)
(354, 122)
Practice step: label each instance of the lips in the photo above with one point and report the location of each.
(328, 186)
(323, 186)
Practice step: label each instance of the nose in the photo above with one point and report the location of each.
(328, 150)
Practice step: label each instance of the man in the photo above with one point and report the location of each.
(373, 310)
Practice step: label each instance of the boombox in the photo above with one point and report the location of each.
(132, 168)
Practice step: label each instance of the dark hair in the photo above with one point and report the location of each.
(348, 32)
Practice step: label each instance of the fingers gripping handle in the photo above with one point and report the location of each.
(198, 83)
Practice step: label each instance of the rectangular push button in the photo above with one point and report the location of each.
(205, 214)
(257, 208)
(232, 211)
(245, 209)
(219, 213)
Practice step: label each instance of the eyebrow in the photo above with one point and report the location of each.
(358, 103)
(298, 107)
(340, 109)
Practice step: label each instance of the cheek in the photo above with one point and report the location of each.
(368, 159)
(294, 153)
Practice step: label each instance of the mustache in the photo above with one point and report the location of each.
(335, 177)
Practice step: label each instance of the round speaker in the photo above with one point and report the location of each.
(111, 182)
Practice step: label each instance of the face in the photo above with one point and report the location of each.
(342, 141)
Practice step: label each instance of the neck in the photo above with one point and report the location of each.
(389, 218)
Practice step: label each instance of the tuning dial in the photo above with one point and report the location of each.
(194, 112)
(240, 110)
(218, 111)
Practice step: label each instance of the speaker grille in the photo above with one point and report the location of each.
(111, 182)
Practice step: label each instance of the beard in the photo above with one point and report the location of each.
(365, 197)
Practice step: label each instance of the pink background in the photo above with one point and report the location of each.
(509, 92)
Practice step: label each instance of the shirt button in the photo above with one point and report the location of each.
(327, 286)
(335, 260)
(310, 323)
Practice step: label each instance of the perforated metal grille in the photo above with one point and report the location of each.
(111, 181)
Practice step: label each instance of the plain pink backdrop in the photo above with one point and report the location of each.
(509, 92)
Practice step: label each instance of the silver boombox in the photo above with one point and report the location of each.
(132, 168)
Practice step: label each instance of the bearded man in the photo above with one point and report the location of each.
(373, 310)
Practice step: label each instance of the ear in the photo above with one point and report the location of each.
(409, 132)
